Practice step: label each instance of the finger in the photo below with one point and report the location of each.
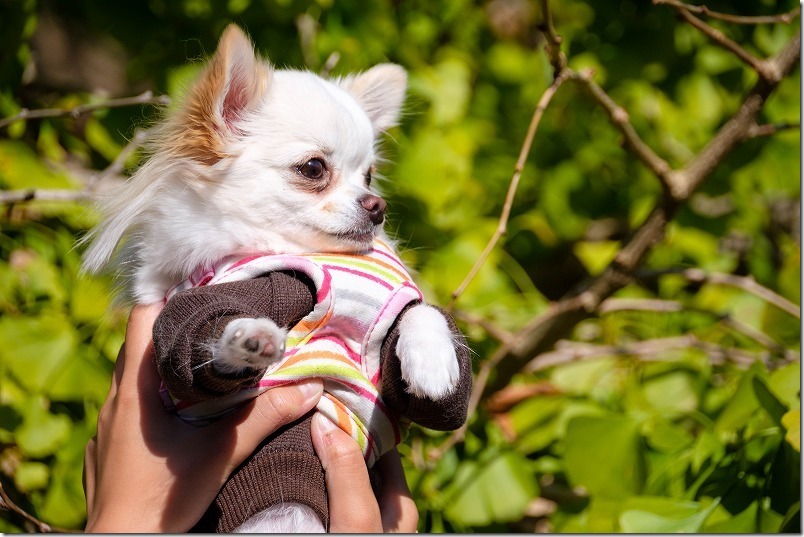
(268, 412)
(90, 461)
(352, 505)
(138, 348)
(397, 508)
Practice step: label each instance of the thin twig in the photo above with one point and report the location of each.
(553, 41)
(747, 284)
(720, 39)
(32, 194)
(502, 225)
(92, 182)
(785, 18)
(648, 350)
(757, 131)
(43, 527)
(620, 119)
(540, 334)
(497, 332)
(612, 305)
(146, 97)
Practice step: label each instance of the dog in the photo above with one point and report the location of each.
(264, 160)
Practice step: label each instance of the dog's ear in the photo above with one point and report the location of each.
(380, 91)
(232, 84)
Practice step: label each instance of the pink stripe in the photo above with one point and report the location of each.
(363, 275)
(342, 344)
(394, 260)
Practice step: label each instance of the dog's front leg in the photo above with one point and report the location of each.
(426, 351)
(248, 344)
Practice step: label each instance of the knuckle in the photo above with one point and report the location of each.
(281, 405)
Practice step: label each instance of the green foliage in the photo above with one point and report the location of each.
(699, 433)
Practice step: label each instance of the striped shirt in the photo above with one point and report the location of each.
(358, 298)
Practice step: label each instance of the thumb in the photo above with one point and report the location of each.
(271, 410)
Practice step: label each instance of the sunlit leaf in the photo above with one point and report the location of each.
(614, 439)
(481, 499)
(792, 424)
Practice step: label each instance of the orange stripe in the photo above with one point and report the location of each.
(305, 355)
(307, 326)
(344, 421)
(373, 260)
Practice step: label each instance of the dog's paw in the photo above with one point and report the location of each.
(427, 353)
(248, 343)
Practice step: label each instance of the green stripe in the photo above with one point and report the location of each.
(361, 264)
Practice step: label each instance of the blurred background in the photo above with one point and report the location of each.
(673, 408)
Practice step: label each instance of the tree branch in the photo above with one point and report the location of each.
(502, 225)
(92, 182)
(146, 97)
(747, 284)
(42, 527)
(542, 332)
(785, 18)
(648, 350)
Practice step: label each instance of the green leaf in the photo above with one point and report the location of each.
(596, 256)
(672, 394)
(613, 439)
(42, 346)
(743, 522)
(791, 422)
(495, 492)
(740, 408)
(640, 521)
(31, 476)
(772, 406)
(663, 435)
(41, 432)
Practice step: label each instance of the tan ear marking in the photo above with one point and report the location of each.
(229, 87)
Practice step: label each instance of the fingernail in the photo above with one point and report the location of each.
(310, 389)
(323, 423)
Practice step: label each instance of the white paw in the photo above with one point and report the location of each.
(427, 353)
(248, 343)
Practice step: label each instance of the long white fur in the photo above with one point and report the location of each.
(190, 204)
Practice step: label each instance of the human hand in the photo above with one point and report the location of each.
(353, 508)
(149, 471)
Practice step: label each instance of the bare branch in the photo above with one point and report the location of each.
(92, 182)
(553, 46)
(620, 119)
(720, 39)
(612, 305)
(736, 130)
(660, 349)
(741, 282)
(146, 97)
(32, 194)
(495, 331)
(757, 131)
(785, 18)
(541, 333)
(502, 226)
(42, 527)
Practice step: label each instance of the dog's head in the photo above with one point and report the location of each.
(287, 150)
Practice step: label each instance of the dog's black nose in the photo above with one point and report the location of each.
(375, 206)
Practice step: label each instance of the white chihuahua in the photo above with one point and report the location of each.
(264, 160)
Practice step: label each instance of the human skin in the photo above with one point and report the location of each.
(148, 471)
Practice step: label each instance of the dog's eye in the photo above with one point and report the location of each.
(368, 178)
(313, 168)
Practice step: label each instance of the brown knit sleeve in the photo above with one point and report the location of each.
(193, 319)
(446, 414)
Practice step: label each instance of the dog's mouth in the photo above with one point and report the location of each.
(356, 236)
(354, 239)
